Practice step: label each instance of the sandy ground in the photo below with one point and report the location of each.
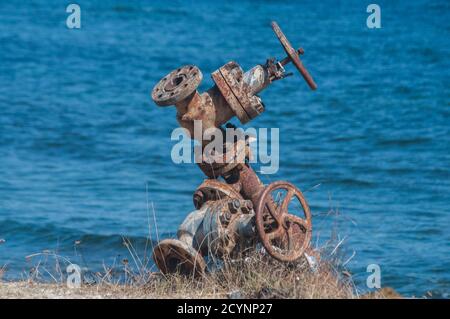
(24, 290)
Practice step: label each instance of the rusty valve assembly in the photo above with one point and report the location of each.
(234, 210)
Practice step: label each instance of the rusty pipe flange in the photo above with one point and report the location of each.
(177, 85)
(175, 256)
(287, 238)
(212, 189)
(230, 82)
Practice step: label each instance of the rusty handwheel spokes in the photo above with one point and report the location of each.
(283, 234)
(292, 56)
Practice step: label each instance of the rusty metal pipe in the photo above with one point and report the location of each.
(257, 79)
(247, 181)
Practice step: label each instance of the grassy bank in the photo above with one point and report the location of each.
(255, 276)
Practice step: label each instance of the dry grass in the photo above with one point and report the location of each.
(255, 276)
(258, 276)
(2, 272)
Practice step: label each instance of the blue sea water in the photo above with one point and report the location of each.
(85, 153)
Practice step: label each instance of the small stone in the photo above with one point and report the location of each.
(235, 294)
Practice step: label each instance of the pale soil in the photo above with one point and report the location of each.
(26, 290)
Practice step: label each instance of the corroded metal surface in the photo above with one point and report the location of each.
(222, 227)
(177, 85)
(293, 56)
(196, 107)
(230, 81)
(220, 163)
(218, 228)
(229, 96)
(212, 190)
(175, 256)
(228, 228)
(287, 236)
(257, 79)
